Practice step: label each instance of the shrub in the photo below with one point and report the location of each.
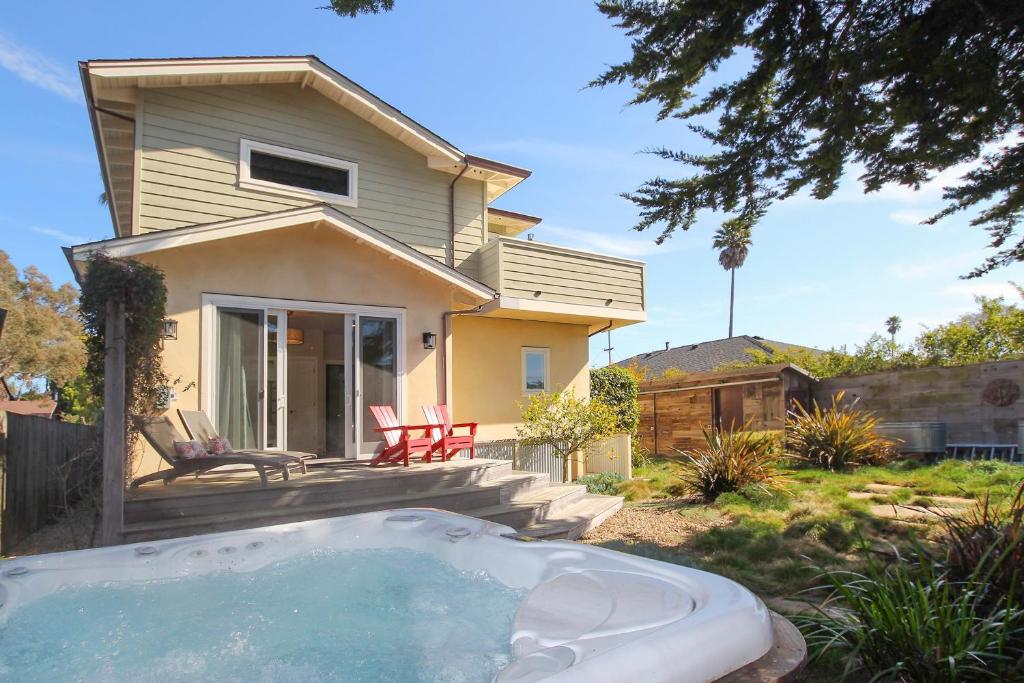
(730, 461)
(836, 438)
(567, 423)
(604, 483)
(909, 621)
(990, 538)
(618, 388)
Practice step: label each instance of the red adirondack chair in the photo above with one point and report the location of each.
(399, 438)
(443, 433)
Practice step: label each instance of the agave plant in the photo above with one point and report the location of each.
(730, 461)
(837, 437)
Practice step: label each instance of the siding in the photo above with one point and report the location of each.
(189, 165)
(521, 268)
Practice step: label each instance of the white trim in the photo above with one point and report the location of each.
(327, 215)
(246, 181)
(208, 344)
(510, 303)
(546, 353)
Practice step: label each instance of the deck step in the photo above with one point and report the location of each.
(490, 493)
(533, 507)
(587, 513)
(198, 500)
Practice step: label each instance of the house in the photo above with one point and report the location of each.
(324, 252)
(708, 356)
(674, 411)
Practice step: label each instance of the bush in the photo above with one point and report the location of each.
(836, 438)
(909, 621)
(990, 538)
(731, 461)
(604, 483)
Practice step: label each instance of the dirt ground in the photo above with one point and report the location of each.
(659, 523)
(71, 532)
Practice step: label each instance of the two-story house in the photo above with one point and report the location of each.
(323, 252)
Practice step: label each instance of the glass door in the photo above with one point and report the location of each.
(248, 402)
(376, 346)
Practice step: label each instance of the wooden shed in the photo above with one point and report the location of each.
(673, 411)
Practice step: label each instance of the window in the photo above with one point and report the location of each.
(535, 370)
(292, 172)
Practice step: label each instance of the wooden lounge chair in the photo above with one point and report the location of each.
(443, 434)
(399, 438)
(199, 427)
(161, 435)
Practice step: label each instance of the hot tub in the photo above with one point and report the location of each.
(460, 598)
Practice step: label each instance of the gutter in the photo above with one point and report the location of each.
(442, 387)
(603, 329)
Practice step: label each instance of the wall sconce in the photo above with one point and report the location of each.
(295, 336)
(429, 340)
(170, 329)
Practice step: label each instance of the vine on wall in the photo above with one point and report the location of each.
(142, 289)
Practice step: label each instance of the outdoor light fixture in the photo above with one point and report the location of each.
(295, 336)
(429, 340)
(170, 329)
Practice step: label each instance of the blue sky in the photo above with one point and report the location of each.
(505, 80)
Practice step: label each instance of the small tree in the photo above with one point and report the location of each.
(618, 388)
(565, 422)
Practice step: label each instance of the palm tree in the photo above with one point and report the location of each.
(892, 325)
(733, 242)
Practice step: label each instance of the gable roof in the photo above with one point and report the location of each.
(323, 214)
(709, 355)
(109, 86)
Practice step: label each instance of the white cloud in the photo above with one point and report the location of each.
(934, 265)
(969, 290)
(59, 235)
(39, 70)
(612, 244)
(578, 155)
(909, 217)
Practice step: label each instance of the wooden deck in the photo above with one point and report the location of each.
(489, 489)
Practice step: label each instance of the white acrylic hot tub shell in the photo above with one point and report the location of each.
(590, 614)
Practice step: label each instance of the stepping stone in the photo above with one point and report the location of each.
(904, 514)
(884, 488)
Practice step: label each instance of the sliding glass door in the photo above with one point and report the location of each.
(357, 363)
(248, 401)
(377, 358)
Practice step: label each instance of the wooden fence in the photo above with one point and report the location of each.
(38, 468)
(610, 455)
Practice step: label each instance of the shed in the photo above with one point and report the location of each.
(674, 411)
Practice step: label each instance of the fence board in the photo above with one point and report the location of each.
(35, 451)
(610, 455)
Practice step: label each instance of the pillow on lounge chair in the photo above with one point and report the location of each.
(218, 445)
(189, 450)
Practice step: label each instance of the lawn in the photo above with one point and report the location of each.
(777, 545)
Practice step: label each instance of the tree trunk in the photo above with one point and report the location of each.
(732, 295)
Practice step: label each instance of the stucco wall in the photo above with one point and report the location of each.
(305, 263)
(487, 368)
(952, 395)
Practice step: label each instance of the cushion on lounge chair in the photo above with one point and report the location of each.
(189, 450)
(219, 445)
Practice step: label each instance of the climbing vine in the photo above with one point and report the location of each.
(141, 287)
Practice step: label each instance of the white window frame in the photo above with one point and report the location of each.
(246, 181)
(546, 353)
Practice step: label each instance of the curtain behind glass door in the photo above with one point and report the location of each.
(378, 347)
(238, 376)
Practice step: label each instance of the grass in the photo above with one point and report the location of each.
(770, 542)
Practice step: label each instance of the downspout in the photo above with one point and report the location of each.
(451, 211)
(442, 387)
